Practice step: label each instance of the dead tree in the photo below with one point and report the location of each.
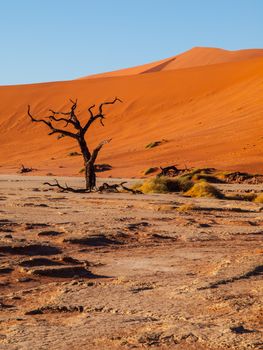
(169, 171)
(24, 169)
(71, 120)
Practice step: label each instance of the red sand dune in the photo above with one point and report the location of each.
(208, 104)
(197, 56)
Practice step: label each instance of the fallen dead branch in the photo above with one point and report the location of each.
(108, 188)
(114, 188)
(129, 189)
(67, 188)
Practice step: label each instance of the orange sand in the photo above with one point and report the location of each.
(208, 104)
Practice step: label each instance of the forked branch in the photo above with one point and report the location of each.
(99, 115)
(73, 119)
(50, 125)
(95, 152)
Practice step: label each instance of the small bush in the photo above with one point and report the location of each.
(207, 177)
(185, 177)
(73, 154)
(156, 143)
(102, 167)
(203, 189)
(150, 170)
(153, 144)
(184, 183)
(154, 185)
(259, 198)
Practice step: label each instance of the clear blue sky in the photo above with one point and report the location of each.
(48, 40)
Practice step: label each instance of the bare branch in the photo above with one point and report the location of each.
(108, 103)
(66, 188)
(99, 115)
(108, 188)
(129, 189)
(90, 111)
(97, 149)
(67, 121)
(50, 125)
(38, 120)
(73, 119)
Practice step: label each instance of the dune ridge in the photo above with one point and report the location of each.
(195, 57)
(210, 114)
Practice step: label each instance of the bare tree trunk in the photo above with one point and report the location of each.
(90, 175)
(89, 163)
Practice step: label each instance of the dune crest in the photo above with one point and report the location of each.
(195, 57)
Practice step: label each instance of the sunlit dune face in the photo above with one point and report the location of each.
(206, 103)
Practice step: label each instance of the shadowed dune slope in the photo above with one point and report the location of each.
(211, 115)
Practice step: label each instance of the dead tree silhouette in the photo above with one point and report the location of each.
(71, 120)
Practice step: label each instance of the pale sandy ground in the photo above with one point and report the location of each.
(159, 279)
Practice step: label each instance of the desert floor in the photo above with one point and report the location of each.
(123, 271)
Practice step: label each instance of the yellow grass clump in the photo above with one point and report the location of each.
(186, 207)
(249, 197)
(203, 189)
(163, 184)
(154, 185)
(259, 198)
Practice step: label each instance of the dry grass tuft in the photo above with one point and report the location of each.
(163, 184)
(249, 197)
(186, 207)
(203, 189)
(259, 198)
